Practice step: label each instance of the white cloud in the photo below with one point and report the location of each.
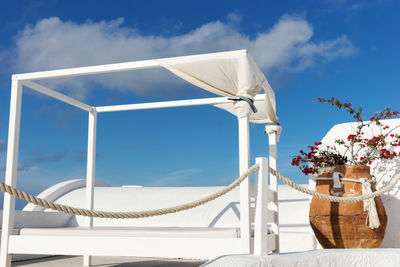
(52, 43)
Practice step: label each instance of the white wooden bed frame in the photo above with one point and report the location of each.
(260, 244)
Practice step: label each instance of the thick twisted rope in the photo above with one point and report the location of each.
(344, 179)
(157, 212)
(313, 193)
(124, 215)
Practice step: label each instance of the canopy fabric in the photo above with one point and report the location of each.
(228, 74)
(261, 116)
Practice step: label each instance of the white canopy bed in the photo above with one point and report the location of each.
(232, 75)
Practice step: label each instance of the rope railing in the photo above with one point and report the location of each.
(313, 193)
(157, 212)
(124, 215)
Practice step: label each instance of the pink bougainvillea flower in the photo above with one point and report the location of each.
(351, 137)
(359, 149)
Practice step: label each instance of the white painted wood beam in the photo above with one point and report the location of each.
(108, 68)
(273, 181)
(11, 171)
(171, 104)
(90, 173)
(126, 66)
(49, 92)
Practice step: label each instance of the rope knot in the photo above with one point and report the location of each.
(369, 205)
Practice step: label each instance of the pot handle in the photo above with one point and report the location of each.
(338, 189)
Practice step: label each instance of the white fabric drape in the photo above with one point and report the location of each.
(227, 74)
(261, 116)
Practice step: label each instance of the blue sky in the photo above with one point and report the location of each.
(307, 49)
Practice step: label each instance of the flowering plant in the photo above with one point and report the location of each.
(359, 150)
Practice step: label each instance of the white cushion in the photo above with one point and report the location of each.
(198, 232)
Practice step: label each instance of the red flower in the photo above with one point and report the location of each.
(351, 137)
(296, 161)
(385, 153)
(310, 155)
(361, 149)
(307, 171)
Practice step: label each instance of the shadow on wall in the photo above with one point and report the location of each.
(231, 205)
(392, 235)
(384, 172)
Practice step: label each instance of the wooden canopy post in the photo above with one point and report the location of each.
(244, 164)
(261, 213)
(90, 172)
(273, 130)
(11, 171)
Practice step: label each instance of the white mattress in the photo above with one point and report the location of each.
(197, 232)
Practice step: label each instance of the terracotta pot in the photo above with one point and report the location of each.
(343, 225)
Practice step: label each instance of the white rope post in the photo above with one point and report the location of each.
(244, 164)
(90, 172)
(273, 130)
(11, 171)
(261, 213)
